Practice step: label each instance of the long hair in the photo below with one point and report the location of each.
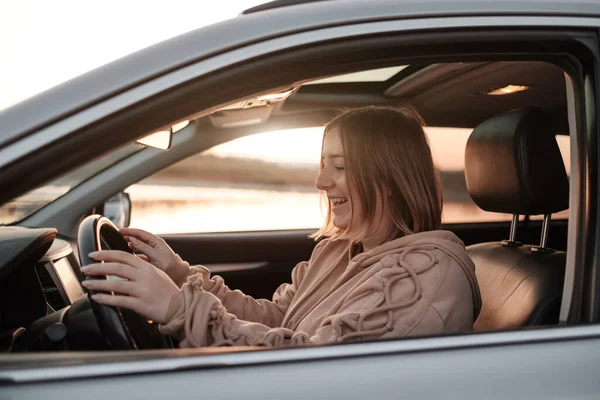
(387, 155)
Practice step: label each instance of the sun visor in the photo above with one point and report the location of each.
(256, 110)
(243, 117)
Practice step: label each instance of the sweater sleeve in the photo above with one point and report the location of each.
(378, 305)
(269, 313)
(198, 319)
(244, 307)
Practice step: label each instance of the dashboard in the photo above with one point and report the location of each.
(39, 275)
(59, 274)
(43, 306)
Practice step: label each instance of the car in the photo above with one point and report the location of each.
(510, 91)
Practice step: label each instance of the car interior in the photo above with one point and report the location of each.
(445, 95)
(513, 165)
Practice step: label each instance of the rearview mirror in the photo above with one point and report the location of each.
(160, 140)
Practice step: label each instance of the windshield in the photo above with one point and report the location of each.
(23, 206)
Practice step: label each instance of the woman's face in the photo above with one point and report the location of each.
(342, 196)
(332, 180)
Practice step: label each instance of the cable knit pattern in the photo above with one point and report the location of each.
(245, 307)
(197, 318)
(415, 285)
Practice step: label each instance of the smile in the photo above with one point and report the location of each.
(336, 201)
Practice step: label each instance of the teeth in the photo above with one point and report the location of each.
(337, 201)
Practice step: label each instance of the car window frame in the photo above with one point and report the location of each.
(580, 227)
(199, 228)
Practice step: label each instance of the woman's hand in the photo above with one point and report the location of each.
(156, 251)
(147, 290)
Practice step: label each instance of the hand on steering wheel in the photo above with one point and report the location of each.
(156, 251)
(121, 327)
(146, 290)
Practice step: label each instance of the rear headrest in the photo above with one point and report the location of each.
(513, 165)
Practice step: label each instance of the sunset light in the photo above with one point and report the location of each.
(304, 146)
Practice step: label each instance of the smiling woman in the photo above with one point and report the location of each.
(375, 274)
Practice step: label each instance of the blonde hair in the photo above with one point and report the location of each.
(387, 155)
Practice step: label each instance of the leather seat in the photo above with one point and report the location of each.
(513, 165)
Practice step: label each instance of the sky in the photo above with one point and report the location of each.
(46, 42)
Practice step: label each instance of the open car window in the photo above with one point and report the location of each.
(265, 181)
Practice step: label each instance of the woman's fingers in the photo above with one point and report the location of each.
(157, 250)
(119, 257)
(111, 285)
(143, 257)
(111, 268)
(139, 246)
(149, 290)
(141, 235)
(128, 302)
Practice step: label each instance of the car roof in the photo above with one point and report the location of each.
(453, 94)
(137, 68)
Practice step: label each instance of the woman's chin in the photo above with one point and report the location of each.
(340, 223)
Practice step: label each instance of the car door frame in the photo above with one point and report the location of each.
(140, 100)
(66, 212)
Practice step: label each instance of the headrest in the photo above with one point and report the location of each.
(513, 165)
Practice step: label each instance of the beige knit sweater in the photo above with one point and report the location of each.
(420, 284)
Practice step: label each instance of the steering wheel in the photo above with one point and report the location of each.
(123, 328)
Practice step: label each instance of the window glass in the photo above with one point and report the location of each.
(259, 182)
(25, 205)
(374, 75)
(564, 144)
(265, 181)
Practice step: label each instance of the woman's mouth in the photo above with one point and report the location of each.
(337, 201)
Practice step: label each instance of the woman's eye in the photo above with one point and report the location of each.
(339, 168)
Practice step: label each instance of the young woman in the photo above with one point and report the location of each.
(383, 268)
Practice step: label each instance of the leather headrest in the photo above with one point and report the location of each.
(513, 165)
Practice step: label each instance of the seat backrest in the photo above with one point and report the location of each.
(518, 287)
(513, 165)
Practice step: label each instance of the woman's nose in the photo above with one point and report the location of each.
(323, 181)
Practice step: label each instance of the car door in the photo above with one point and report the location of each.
(500, 364)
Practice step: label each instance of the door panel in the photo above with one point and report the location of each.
(254, 262)
(565, 368)
(258, 262)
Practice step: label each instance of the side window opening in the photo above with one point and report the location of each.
(265, 181)
(259, 182)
